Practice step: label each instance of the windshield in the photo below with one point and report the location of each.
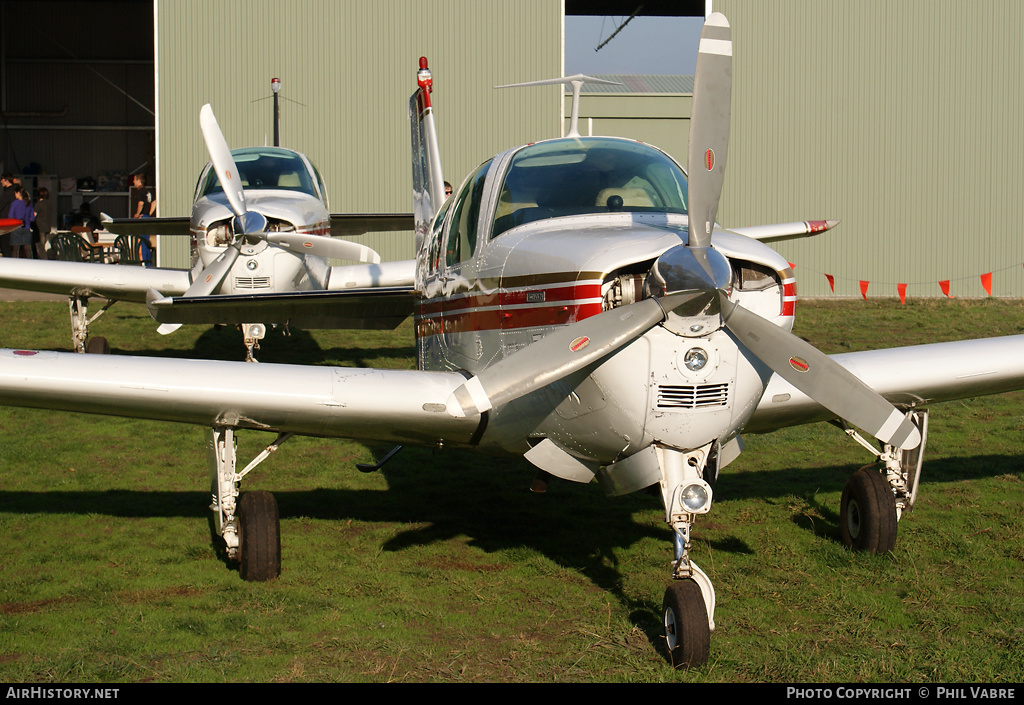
(265, 168)
(588, 175)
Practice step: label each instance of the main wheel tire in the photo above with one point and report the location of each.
(259, 541)
(867, 513)
(687, 633)
(97, 346)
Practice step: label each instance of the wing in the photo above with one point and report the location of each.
(109, 281)
(379, 308)
(404, 406)
(908, 377)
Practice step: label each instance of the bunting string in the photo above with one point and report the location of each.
(945, 285)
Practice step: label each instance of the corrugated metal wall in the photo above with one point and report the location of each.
(347, 70)
(903, 119)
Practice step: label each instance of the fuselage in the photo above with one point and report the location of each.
(552, 233)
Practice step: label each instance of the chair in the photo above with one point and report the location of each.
(72, 247)
(134, 250)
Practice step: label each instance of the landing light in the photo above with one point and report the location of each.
(695, 359)
(696, 497)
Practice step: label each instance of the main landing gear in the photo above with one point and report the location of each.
(250, 527)
(877, 495)
(78, 309)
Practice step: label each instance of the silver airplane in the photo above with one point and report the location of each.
(577, 306)
(260, 232)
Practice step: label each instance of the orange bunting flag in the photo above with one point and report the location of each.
(902, 288)
(986, 281)
(792, 266)
(944, 285)
(864, 289)
(831, 282)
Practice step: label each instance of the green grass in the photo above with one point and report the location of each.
(443, 567)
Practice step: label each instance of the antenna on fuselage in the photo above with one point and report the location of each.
(576, 82)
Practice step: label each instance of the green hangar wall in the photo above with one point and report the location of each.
(903, 119)
(347, 70)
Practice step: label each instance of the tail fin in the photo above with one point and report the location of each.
(427, 178)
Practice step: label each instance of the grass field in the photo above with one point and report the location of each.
(443, 567)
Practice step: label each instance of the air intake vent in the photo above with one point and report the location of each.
(690, 396)
(252, 282)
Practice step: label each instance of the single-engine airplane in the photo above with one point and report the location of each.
(260, 248)
(579, 307)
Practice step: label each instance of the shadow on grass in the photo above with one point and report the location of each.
(437, 498)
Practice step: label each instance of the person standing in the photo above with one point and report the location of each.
(21, 239)
(143, 198)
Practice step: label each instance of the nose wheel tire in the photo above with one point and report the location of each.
(687, 632)
(259, 537)
(867, 513)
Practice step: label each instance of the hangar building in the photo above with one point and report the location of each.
(901, 120)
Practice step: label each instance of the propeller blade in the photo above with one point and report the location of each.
(819, 377)
(560, 353)
(321, 246)
(223, 162)
(211, 277)
(709, 128)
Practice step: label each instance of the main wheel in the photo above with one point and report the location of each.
(97, 346)
(687, 633)
(867, 513)
(259, 540)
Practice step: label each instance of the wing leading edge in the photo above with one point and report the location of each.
(403, 406)
(91, 279)
(913, 376)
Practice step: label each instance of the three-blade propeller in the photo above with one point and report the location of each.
(251, 224)
(692, 280)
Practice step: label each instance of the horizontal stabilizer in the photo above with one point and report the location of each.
(350, 224)
(148, 226)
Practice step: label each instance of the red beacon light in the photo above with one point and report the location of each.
(424, 77)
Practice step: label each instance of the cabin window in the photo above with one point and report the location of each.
(436, 238)
(465, 216)
(587, 175)
(264, 168)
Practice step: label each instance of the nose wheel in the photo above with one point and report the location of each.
(687, 634)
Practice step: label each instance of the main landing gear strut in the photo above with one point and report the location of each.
(876, 496)
(250, 527)
(78, 309)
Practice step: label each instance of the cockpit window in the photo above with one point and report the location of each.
(587, 175)
(265, 168)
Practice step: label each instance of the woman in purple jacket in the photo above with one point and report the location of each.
(21, 239)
